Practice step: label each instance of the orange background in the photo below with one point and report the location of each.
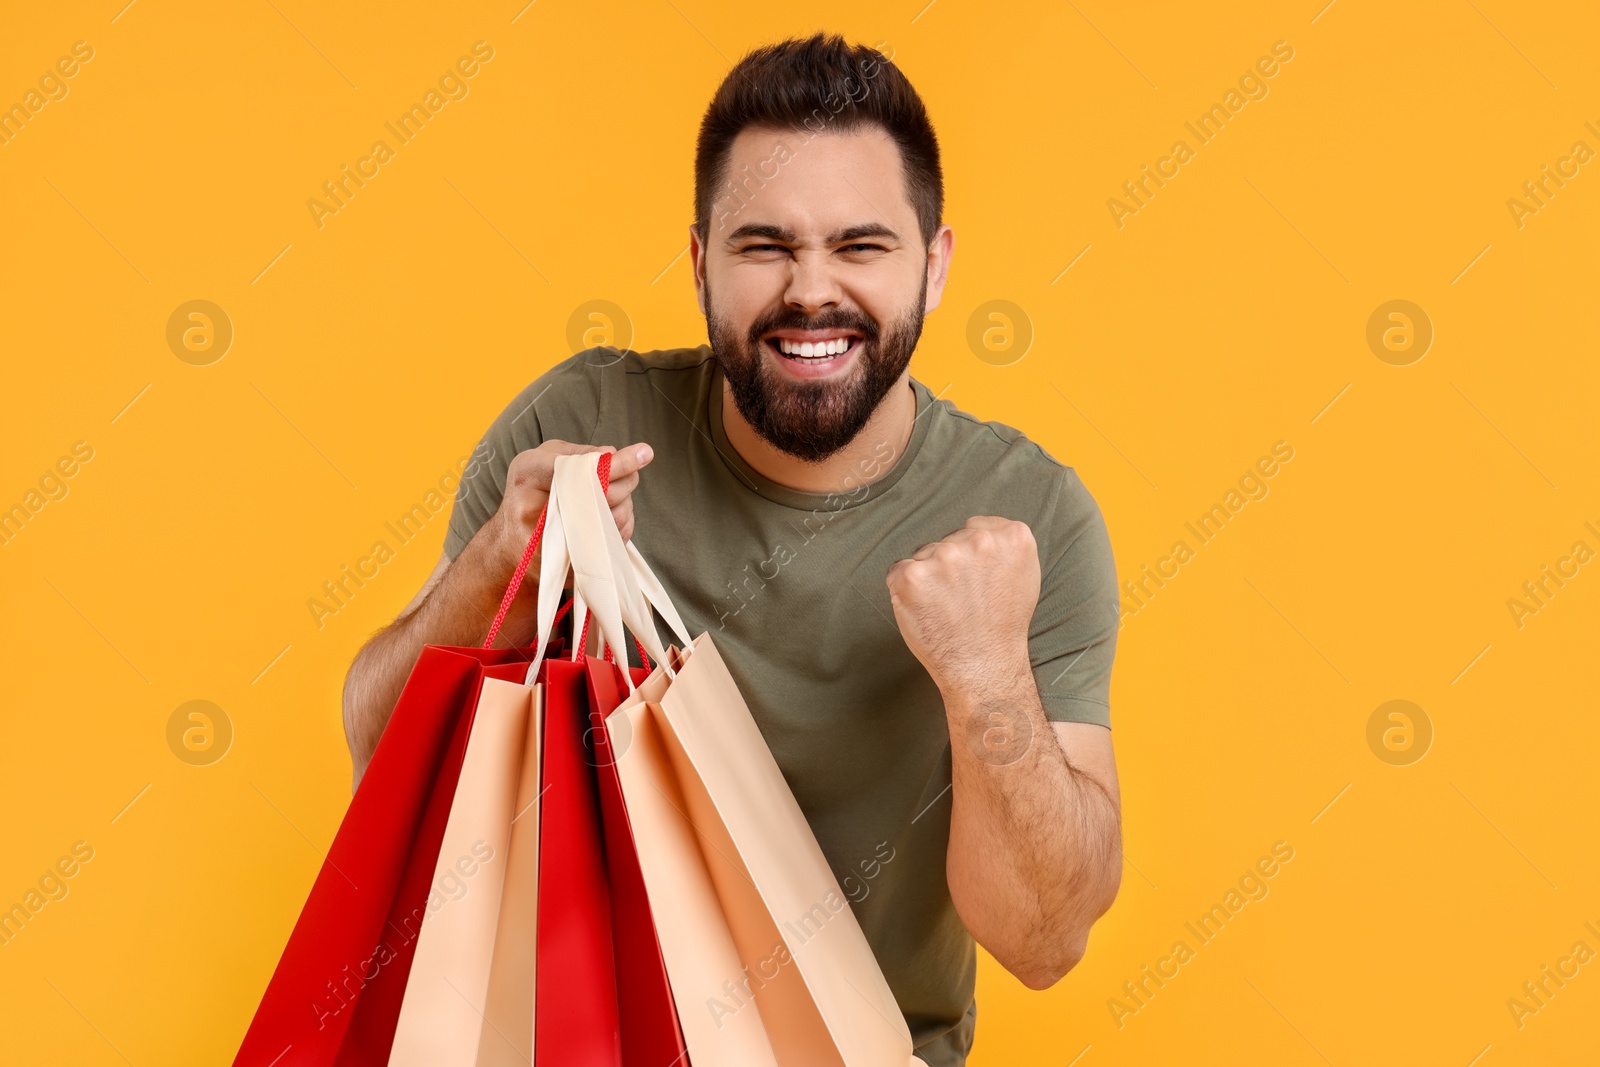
(1229, 313)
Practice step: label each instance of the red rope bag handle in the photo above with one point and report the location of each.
(522, 570)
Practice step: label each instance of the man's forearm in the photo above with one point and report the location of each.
(1035, 853)
(457, 611)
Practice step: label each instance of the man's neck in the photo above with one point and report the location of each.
(890, 425)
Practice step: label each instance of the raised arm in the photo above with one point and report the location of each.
(1035, 854)
(459, 600)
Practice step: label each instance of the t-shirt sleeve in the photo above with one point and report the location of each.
(1074, 633)
(562, 404)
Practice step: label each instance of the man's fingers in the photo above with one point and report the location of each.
(540, 462)
(620, 488)
(977, 524)
(630, 460)
(549, 450)
(538, 466)
(622, 515)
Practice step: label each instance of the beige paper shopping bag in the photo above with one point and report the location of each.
(506, 1037)
(470, 976)
(766, 960)
(470, 997)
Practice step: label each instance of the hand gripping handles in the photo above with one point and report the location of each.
(576, 531)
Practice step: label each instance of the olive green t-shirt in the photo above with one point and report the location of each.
(791, 586)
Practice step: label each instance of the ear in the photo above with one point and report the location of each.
(940, 249)
(697, 261)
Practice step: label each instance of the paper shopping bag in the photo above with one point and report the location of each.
(445, 1018)
(335, 995)
(574, 930)
(766, 961)
(522, 861)
(525, 964)
(647, 1014)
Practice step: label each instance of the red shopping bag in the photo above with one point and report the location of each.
(335, 995)
(602, 999)
(651, 1034)
(575, 998)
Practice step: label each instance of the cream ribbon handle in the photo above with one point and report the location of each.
(580, 617)
(656, 596)
(617, 584)
(554, 562)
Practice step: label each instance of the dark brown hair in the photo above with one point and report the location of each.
(814, 85)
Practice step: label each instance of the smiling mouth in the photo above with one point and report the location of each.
(813, 353)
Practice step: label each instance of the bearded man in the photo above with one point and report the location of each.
(919, 607)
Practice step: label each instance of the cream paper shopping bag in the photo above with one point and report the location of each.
(767, 962)
(469, 995)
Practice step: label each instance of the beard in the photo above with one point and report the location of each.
(813, 419)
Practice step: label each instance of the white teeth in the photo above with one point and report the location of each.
(813, 349)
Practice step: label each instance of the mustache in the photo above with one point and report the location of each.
(835, 320)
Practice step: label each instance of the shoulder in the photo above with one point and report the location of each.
(672, 371)
(1018, 474)
(690, 361)
(993, 440)
(1008, 456)
(570, 401)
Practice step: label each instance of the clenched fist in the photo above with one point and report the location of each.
(964, 604)
(528, 488)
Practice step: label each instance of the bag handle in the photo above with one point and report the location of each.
(617, 584)
(551, 566)
(580, 626)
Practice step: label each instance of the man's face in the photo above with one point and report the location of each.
(819, 246)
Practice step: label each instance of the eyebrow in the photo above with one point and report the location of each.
(788, 236)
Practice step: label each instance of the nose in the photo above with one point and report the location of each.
(812, 286)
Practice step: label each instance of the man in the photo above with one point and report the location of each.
(919, 607)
